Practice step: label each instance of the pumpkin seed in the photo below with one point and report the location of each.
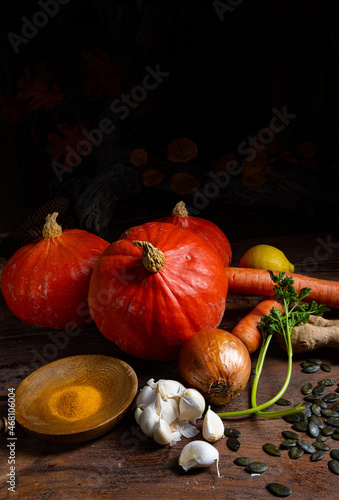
(337, 389)
(230, 432)
(283, 402)
(291, 419)
(319, 389)
(321, 446)
(334, 454)
(328, 430)
(300, 426)
(316, 410)
(322, 439)
(317, 455)
(295, 452)
(244, 461)
(290, 435)
(325, 367)
(317, 421)
(315, 361)
(312, 429)
(333, 465)
(271, 449)
(310, 368)
(320, 402)
(311, 397)
(332, 397)
(336, 407)
(279, 490)
(333, 421)
(306, 446)
(307, 388)
(335, 436)
(328, 412)
(256, 467)
(327, 381)
(289, 443)
(233, 443)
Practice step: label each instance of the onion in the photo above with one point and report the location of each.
(216, 363)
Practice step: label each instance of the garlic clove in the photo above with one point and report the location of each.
(168, 409)
(212, 427)
(148, 420)
(171, 388)
(137, 414)
(146, 396)
(162, 433)
(191, 405)
(198, 454)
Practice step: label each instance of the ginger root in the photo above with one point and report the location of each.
(317, 333)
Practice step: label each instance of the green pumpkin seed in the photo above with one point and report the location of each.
(336, 407)
(300, 426)
(295, 452)
(332, 397)
(312, 429)
(334, 454)
(243, 461)
(317, 455)
(315, 361)
(233, 443)
(328, 430)
(279, 490)
(320, 402)
(335, 436)
(306, 446)
(325, 367)
(319, 389)
(321, 446)
(290, 435)
(310, 368)
(333, 421)
(291, 419)
(271, 449)
(333, 465)
(289, 443)
(322, 439)
(317, 421)
(316, 410)
(329, 412)
(307, 388)
(230, 432)
(256, 467)
(327, 381)
(283, 402)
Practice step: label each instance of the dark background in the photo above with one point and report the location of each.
(228, 70)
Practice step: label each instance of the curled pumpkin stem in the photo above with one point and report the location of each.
(180, 209)
(152, 258)
(51, 227)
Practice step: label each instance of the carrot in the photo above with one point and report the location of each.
(250, 281)
(247, 329)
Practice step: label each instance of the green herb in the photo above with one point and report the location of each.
(295, 312)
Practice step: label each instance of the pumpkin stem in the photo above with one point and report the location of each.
(180, 209)
(51, 227)
(152, 258)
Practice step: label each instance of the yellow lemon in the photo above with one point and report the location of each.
(266, 257)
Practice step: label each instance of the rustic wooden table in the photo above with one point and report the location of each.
(124, 464)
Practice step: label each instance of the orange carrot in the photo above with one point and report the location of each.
(250, 281)
(247, 329)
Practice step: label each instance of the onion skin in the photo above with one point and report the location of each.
(216, 363)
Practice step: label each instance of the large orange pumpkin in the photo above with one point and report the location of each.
(156, 286)
(45, 283)
(209, 231)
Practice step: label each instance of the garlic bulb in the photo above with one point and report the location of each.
(191, 405)
(167, 408)
(198, 454)
(212, 427)
(162, 433)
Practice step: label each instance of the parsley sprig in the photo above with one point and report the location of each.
(295, 312)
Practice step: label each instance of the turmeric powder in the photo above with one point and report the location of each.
(75, 402)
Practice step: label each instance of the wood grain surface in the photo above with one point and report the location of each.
(125, 464)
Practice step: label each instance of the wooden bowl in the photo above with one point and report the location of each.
(46, 399)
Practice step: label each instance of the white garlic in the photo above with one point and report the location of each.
(162, 433)
(212, 427)
(167, 408)
(148, 420)
(137, 414)
(198, 454)
(191, 405)
(146, 396)
(170, 388)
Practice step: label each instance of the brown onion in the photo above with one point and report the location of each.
(216, 363)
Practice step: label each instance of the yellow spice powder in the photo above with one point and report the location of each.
(76, 402)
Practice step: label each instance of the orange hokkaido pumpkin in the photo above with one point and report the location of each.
(209, 231)
(45, 283)
(155, 287)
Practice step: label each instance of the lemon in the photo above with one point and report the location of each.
(266, 257)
